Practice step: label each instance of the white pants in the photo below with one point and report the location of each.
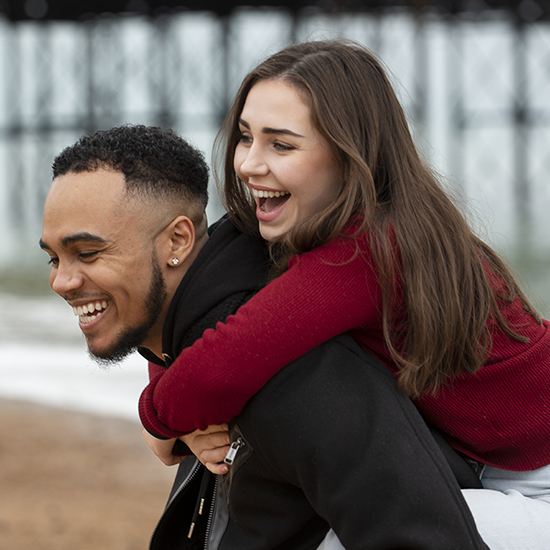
(512, 512)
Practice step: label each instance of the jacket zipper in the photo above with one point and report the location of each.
(200, 502)
(233, 450)
(211, 513)
(185, 483)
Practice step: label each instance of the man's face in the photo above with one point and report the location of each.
(103, 262)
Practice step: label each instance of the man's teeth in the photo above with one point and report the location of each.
(86, 312)
(268, 194)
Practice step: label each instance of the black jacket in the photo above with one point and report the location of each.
(328, 442)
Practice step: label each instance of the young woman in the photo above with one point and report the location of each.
(320, 162)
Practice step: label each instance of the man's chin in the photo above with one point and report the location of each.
(106, 360)
(119, 346)
(110, 355)
(115, 351)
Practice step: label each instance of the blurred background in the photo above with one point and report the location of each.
(473, 76)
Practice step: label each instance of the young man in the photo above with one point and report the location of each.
(329, 442)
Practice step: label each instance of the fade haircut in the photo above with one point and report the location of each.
(155, 162)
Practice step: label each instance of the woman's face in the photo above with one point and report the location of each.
(283, 159)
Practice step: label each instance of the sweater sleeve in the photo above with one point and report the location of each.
(154, 370)
(327, 291)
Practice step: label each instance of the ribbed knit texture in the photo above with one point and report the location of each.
(500, 415)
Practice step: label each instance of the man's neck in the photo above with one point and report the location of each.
(154, 339)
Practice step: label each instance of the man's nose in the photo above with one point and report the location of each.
(66, 278)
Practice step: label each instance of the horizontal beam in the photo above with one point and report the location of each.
(76, 10)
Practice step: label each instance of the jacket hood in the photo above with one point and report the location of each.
(229, 263)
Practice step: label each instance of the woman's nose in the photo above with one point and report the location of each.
(253, 162)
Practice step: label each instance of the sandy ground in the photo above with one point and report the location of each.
(76, 481)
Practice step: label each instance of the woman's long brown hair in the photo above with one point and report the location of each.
(418, 236)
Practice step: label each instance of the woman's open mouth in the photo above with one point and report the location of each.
(269, 201)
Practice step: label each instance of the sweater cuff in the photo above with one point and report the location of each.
(148, 414)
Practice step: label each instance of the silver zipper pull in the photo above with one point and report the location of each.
(233, 450)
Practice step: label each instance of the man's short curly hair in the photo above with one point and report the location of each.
(155, 162)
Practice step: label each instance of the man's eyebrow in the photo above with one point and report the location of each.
(83, 237)
(267, 130)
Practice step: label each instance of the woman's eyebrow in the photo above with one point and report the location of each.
(267, 130)
(284, 131)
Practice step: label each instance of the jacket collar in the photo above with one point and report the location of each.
(229, 263)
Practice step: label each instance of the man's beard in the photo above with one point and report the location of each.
(131, 338)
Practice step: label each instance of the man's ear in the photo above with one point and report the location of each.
(178, 241)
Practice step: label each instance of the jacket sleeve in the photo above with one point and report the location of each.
(325, 292)
(338, 428)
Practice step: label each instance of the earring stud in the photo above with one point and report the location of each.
(175, 261)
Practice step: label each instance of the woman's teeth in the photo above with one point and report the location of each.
(268, 194)
(90, 311)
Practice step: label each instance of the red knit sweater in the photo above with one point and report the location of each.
(499, 416)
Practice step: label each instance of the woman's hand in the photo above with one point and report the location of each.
(162, 448)
(210, 447)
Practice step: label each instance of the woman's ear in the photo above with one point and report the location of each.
(180, 241)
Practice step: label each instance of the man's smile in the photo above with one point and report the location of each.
(91, 311)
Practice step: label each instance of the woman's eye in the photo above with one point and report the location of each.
(283, 147)
(242, 138)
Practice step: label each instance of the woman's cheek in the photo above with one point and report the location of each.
(238, 159)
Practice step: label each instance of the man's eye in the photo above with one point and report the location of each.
(53, 261)
(87, 255)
